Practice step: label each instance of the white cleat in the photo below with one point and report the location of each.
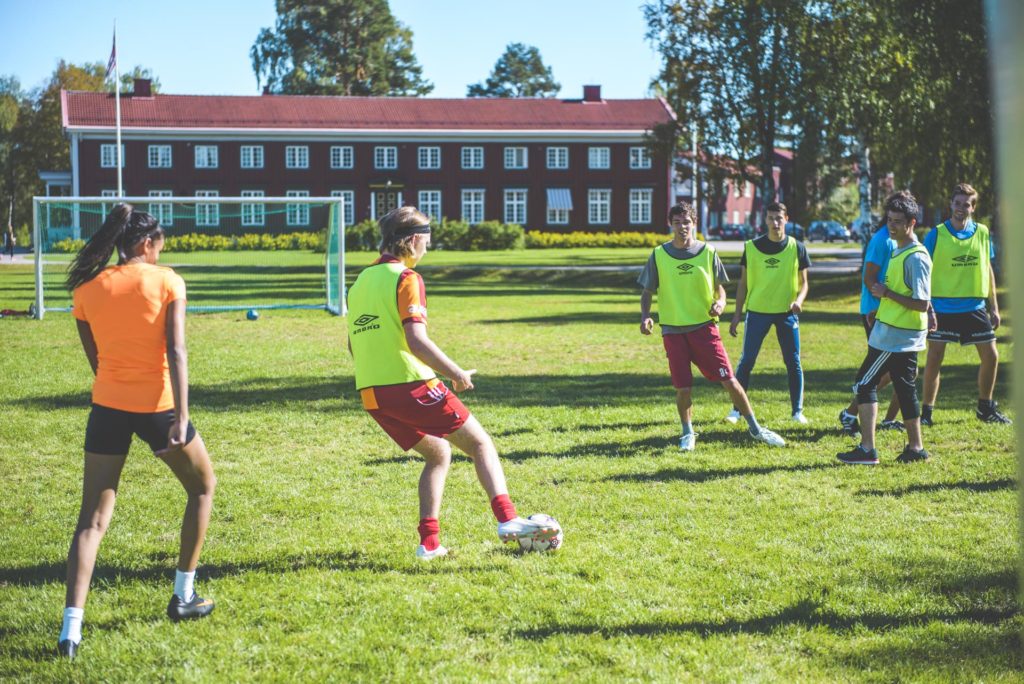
(688, 441)
(523, 528)
(768, 437)
(799, 417)
(424, 555)
(733, 417)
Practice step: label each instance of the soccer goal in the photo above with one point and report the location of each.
(235, 253)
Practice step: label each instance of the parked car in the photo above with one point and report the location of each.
(795, 230)
(828, 231)
(736, 231)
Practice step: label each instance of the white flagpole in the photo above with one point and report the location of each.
(117, 108)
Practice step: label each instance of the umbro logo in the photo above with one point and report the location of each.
(772, 262)
(365, 319)
(965, 258)
(685, 268)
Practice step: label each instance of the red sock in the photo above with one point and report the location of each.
(429, 529)
(504, 509)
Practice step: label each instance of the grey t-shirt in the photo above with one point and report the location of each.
(917, 273)
(649, 279)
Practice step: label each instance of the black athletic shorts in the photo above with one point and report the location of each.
(973, 327)
(109, 431)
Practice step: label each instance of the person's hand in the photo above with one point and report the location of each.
(463, 382)
(995, 319)
(795, 308)
(871, 318)
(646, 326)
(933, 321)
(717, 308)
(735, 325)
(175, 437)
(879, 290)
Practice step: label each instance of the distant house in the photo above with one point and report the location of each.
(548, 164)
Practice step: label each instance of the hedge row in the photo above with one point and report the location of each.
(579, 238)
(453, 235)
(202, 242)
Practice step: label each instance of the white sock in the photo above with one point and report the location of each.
(183, 584)
(72, 627)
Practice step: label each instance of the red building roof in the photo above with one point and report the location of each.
(96, 110)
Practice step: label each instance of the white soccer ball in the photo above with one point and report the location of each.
(553, 544)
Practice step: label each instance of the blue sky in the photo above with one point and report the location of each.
(203, 47)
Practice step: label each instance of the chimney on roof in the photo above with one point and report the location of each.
(592, 93)
(143, 88)
(266, 90)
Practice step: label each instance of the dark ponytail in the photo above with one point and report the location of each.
(123, 229)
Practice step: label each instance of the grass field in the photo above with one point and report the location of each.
(736, 562)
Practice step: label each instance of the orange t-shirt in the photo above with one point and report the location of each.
(126, 308)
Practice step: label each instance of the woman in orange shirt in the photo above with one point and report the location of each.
(131, 320)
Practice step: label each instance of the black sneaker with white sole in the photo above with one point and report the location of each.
(198, 607)
(891, 425)
(849, 422)
(992, 415)
(859, 456)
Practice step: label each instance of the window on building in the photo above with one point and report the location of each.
(558, 217)
(252, 157)
(253, 214)
(558, 157)
(296, 157)
(746, 217)
(472, 157)
(640, 205)
(748, 189)
(599, 206)
(429, 157)
(472, 206)
(515, 206)
(206, 156)
(515, 157)
(736, 190)
(639, 158)
(342, 157)
(599, 158)
(559, 206)
(207, 214)
(297, 214)
(348, 198)
(430, 203)
(385, 157)
(162, 211)
(735, 216)
(108, 156)
(105, 208)
(159, 157)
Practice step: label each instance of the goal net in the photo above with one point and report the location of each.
(235, 253)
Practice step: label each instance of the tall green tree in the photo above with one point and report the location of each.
(337, 47)
(519, 72)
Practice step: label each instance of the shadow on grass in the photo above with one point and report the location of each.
(963, 485)
(698, 476)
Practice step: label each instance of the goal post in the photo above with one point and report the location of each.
(235, 253)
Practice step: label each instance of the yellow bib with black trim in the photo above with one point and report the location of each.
(960, 268)
(773, 280)
(685, 287)
(375, 330)
(893, 313)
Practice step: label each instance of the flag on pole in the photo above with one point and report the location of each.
(112, 62)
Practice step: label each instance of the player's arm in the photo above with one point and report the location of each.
(798, 304)
(883, 292)
(993, 300)
(646, 322)
(177, 363)
(718, 305)
(424, 349)
(741, 299)
(871, 271)
(88, 344)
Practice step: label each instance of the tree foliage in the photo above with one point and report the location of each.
(519, 72)
(337, 47)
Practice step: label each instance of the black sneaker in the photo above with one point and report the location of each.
(67, 649)
(196, 608)
(909, 455)
(891, 425)
(859, 456)
(850, 424)
(927, 420)
(992, 415)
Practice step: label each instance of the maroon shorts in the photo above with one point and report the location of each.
(702, 347)
(409, 411)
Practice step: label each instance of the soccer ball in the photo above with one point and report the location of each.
(553, 544)
(252, 314)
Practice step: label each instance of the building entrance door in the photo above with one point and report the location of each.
(384, 201)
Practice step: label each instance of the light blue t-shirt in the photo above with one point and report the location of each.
(917, 273)
(960, 304)
(879, 250)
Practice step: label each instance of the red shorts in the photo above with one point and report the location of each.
(702, 347)
(409, 411)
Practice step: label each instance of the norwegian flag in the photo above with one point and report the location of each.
(112, 62)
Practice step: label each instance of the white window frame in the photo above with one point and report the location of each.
(108, 156)
(639, 158)
(472, 205)
(748, 189)
(296, 156)
(429, 202)
(253, 214)
(159, 156)
(255, 157)
(517, 157)
(558, 217)
(207, 156)
(385, 157)
(599, 157)
(348, 205)
(515, 206)
(342, 157)
(599, 206)
(207, 215)
(735, 215)
(640, 203)
(429, 157)
(472, 157)
(558, 158)
(297, 214)
(163, 212)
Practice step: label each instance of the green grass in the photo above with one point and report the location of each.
(735, 563)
